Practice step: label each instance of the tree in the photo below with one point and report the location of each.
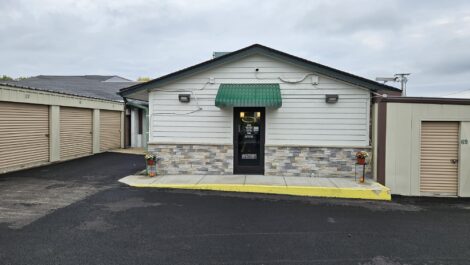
(6, 78)
(143, 79)
(9, 78)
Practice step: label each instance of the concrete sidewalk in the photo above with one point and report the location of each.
(130, 150)
(297, 186)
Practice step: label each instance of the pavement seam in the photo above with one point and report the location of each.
(155, 180)
(332, 182)
(203, 176)
(285, 182)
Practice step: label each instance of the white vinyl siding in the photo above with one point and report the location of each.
(303, 119)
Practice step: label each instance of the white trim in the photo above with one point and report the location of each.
(321, 146)
(188, 142)
(266, 145)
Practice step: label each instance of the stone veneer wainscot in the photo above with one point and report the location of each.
(192, 159)
(178, 159)
(312, 161)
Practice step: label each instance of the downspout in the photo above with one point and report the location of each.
(145, 121)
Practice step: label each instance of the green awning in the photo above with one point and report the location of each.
(249, 95)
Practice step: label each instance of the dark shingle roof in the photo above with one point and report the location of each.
(92, 86)
(257, 48)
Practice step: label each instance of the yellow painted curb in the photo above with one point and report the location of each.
(351, 193)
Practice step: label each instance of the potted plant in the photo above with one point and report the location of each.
(361, 157)
(151, 161)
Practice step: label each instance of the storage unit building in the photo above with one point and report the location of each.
(104, 87)
(39, 126)
(422, 146)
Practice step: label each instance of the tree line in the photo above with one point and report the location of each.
(9, 78)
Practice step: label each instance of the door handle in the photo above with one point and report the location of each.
(454, 161)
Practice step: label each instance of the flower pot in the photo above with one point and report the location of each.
(152, 169)
(361, 161)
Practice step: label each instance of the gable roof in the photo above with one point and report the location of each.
(254, 49)
(91, 86)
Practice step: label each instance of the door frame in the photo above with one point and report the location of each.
(253, 170)
(127, 127)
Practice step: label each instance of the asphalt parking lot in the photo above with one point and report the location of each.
(30, 194)
(77, 213)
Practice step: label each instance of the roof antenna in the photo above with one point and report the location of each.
(401, 77)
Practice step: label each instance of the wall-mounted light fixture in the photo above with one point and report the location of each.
(331, 98)
(184, 98)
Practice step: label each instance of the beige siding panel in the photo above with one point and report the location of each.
(24, 135)
(110, 130)
(76, 127)
(439, 145)
(403, 159)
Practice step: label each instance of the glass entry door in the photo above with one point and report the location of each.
(248, 140)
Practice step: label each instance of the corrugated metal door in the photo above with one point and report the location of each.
(76, 132)
(110, 130)
(24, 134)
(439, 158)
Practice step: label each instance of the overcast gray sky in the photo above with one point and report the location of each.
(131, 38)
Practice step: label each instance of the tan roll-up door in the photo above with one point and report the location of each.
(24, 135)
(439, 154)
(76, 132)
(110, 130)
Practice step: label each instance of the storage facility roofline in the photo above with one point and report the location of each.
(424, 100)
(56, 92)
(260, 49)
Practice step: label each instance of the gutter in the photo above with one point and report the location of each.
(146, 108)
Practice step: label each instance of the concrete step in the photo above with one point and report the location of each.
(295, 186)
